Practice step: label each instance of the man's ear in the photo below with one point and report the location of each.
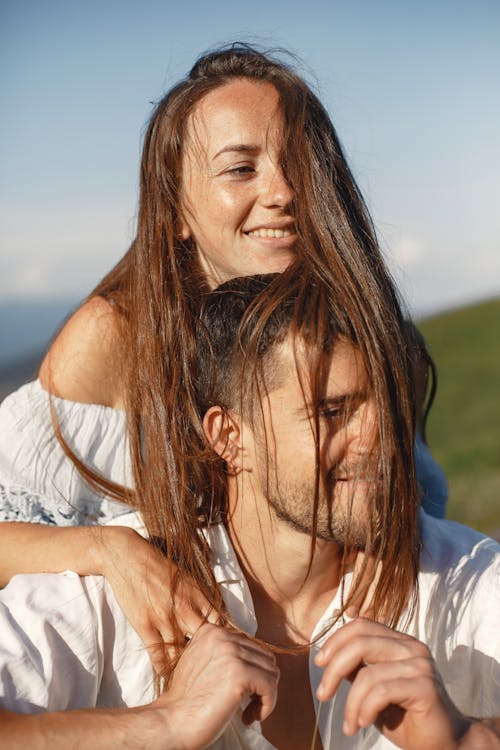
(223, 430)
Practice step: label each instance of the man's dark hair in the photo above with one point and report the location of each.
(245, 320)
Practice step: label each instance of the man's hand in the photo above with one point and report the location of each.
(395, 685)
(219, 671)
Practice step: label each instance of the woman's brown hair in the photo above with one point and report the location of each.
(158, 288)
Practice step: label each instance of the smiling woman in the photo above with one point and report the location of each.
(241, 173)
(236, 202)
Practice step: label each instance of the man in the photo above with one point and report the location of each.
(301, 543)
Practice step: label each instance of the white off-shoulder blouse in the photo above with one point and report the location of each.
(38, 482)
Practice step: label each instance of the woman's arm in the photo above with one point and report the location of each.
(84, 364)
(33, 548)
(138, 574)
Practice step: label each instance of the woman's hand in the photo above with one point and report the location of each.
(395, 685)
(141, 579)
(217, 671)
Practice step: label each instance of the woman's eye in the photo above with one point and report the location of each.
(334, 413)
(241, 170)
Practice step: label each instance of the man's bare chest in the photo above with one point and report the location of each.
(292, 724)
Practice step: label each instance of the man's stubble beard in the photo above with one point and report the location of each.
(293, 503)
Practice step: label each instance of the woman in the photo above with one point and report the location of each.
(242, 172)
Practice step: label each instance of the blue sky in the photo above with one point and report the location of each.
(413, 90)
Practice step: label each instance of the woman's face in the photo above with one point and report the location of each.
(235, 201)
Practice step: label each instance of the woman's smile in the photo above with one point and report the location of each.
(275, 231)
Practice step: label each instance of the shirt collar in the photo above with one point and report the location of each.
(236, 592)
(235, 589)
(229, 576)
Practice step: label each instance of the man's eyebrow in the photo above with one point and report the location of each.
(330, 402)
(341, 398)
(237, 148)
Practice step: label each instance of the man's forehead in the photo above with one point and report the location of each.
(342, 364)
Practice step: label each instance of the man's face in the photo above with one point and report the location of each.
(285, 447)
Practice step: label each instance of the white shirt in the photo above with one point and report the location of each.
(65, 643)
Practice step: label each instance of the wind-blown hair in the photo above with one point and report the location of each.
(158, 287)
(240, 329)
(425, 376)
(241, 326)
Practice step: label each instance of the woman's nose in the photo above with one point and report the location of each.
(276, 191)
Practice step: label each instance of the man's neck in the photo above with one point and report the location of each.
(290, 591)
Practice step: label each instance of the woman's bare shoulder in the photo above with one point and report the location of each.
(84, 360)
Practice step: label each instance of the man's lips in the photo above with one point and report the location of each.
(357, 478)
(360, 474)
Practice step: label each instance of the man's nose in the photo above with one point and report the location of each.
(362, 429)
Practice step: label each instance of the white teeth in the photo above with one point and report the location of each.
(276, 233)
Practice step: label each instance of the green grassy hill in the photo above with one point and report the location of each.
(464, 424)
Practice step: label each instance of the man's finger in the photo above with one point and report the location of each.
(366, 696)
(363, 645)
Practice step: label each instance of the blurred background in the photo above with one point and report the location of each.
(413, 90)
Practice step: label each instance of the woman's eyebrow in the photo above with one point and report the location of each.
(238, 148)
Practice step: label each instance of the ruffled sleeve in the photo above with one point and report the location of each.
(38, 482)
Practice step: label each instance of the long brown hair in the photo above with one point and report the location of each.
(158, 288)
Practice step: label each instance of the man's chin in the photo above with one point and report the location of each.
(354, 536)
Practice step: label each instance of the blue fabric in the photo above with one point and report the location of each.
(432, 480)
